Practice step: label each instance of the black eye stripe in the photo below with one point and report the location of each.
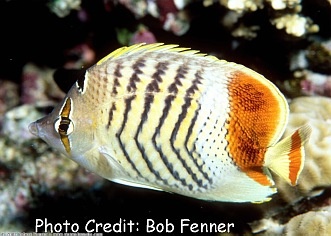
(64, 125)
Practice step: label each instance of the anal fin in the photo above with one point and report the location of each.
(259, 176)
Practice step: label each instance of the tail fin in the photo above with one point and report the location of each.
(287, 157)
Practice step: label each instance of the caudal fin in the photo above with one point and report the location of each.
(287, 157)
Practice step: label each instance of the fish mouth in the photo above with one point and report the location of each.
(39, 127)
(33, 128)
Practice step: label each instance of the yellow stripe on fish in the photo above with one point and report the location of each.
(173, 119)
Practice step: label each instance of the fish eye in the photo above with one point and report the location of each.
(64, 126)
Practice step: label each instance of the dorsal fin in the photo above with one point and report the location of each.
(65, 78)
(154, 47)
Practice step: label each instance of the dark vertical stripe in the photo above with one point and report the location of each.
(117, 71)
(148, 101)
(111, 114)
(190, 130)
(116, 84)
(190, 92)
(194, 88)
(114, 92)
(173, 88)
(180, 74)
(173, 139)
(181, 71)
(165, 160)
(149, 98)
(118, 135)
(131, 87)
(188, 99)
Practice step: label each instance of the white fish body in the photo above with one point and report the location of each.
(168, 118)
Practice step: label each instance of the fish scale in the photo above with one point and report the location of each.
(134, 151)
(169, 118)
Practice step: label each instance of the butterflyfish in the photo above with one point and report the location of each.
(169, 118)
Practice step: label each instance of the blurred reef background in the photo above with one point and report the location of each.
(288, 41)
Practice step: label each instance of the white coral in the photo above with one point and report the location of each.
(242, 5)
(292, 23)
(317, 222)
(316, 111)
(310, 223)
(62, 8)
(295, 24)
(282, 4)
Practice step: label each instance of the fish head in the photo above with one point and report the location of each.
(68, 128)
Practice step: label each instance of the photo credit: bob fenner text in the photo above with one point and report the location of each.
(129, 226)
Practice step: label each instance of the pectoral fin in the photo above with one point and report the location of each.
(120, 176)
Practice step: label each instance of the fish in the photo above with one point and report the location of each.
(168, 118)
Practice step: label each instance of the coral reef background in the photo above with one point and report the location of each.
(288, 41)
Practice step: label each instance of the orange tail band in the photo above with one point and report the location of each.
(286, 158)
